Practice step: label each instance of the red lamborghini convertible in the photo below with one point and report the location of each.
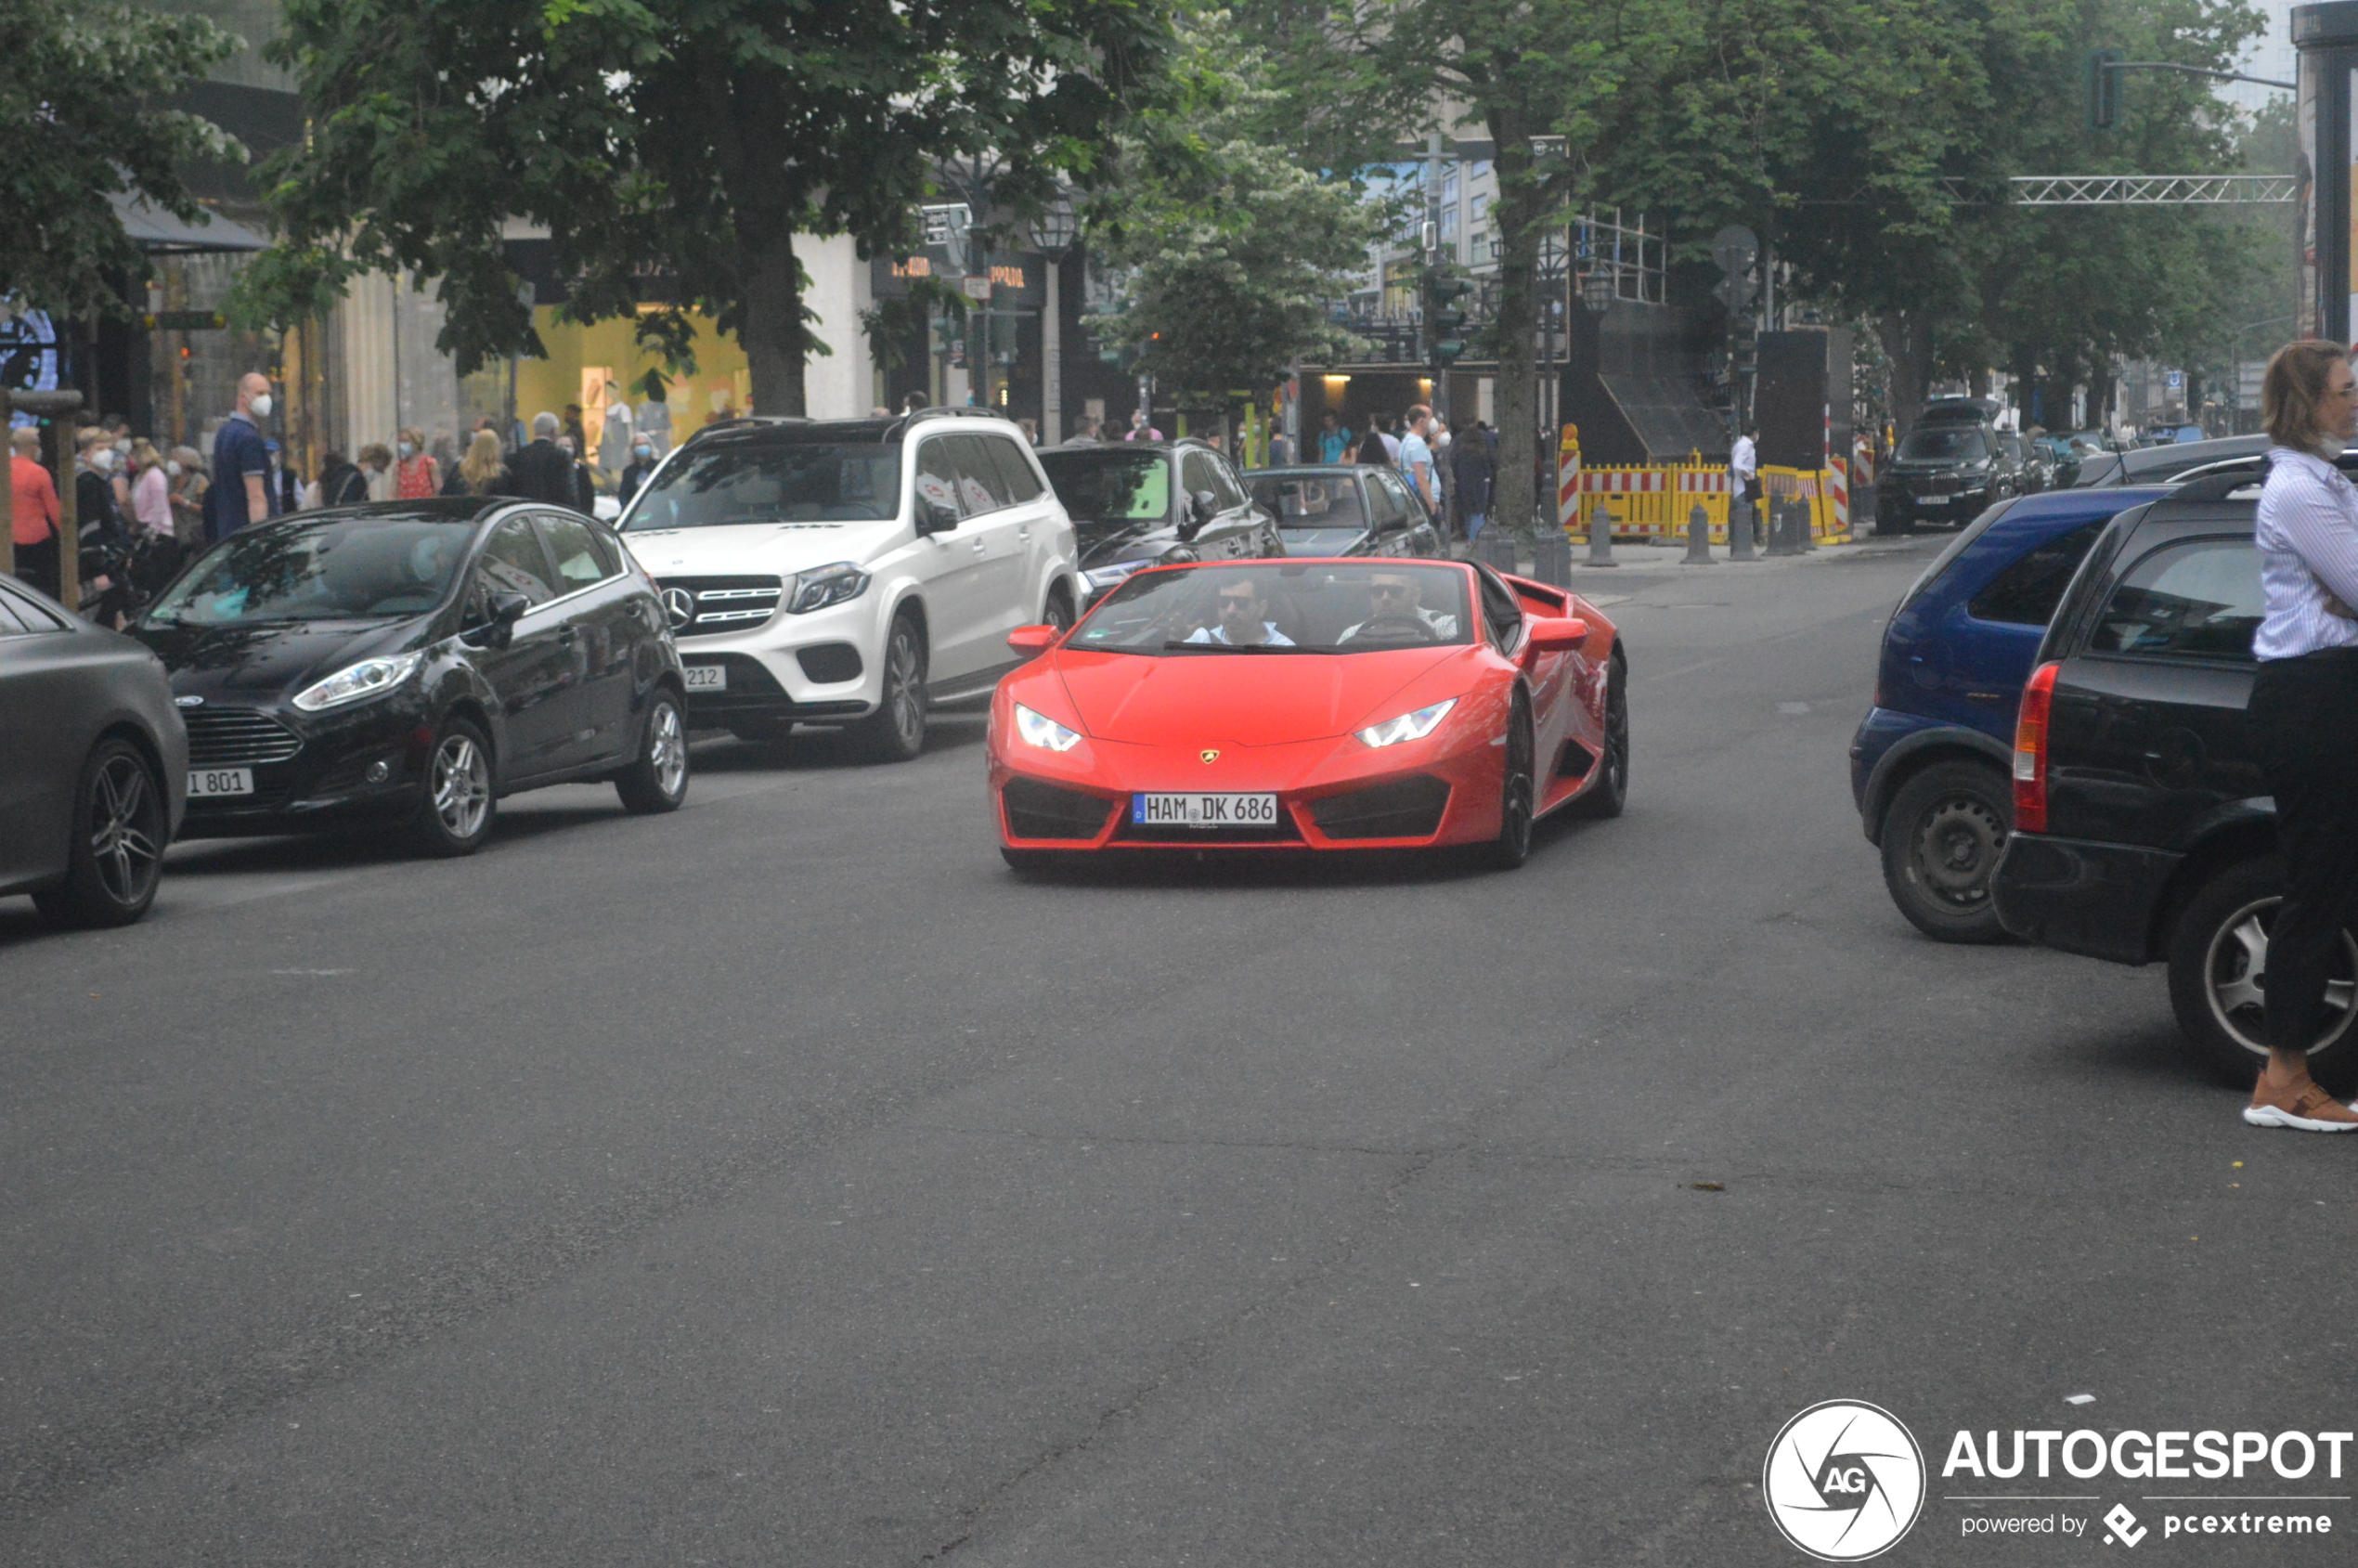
(1310, 705)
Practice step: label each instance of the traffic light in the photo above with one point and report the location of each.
(1445, 317)
(2104, 89)
(1743, 341)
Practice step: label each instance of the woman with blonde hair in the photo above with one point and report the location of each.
(415, 474)
(185, 469)
(2302, 714)
(484, 471)
(150, 490)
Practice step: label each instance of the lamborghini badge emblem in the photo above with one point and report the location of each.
(1209, 754)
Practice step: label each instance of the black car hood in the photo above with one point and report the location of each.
(257, 663)
(1102, 544)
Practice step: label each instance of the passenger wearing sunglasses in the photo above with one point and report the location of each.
(1393, 608)
(1243, 623)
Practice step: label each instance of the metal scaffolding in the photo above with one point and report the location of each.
(2151, 190)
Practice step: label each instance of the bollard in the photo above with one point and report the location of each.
(1698, 539)
(1780, 523)
(1804, 529)
(1600, 537)
(1497, 547)
(1551, 557)
(1740, 528)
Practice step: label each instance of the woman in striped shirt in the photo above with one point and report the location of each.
(2302, 715)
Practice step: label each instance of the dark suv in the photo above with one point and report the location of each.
(2143, 830)
(1947, 468)
(1137, 504)
(1928, 766)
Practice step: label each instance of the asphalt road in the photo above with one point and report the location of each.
(785, 1183)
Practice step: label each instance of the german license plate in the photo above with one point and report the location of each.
(708, 676)
(220, 780)
(1204, 810)
(1920, 500)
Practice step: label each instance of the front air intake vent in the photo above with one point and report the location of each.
(1402, 808)
(1040, 811)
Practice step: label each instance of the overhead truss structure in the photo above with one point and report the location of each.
(2151, 190)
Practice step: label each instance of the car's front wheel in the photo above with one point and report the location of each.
(456, 803)
(120, 828)
(657, 781)
(2219, 978)
(896, 732)
(1518, 790)
(1942, 835)
(1610, 792)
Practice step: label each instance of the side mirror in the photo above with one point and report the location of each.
(934, 518)
(1201, 506)
(507, 609)
(1558, 635)
(1033, 640)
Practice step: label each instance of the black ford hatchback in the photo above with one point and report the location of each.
(407, 664)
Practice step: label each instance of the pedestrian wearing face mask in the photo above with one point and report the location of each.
(415, 475)
(93, 484)
(642, 464)
(244, 488)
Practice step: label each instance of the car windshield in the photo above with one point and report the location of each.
(341, 569)
(1303, 607)
(771, 481)
(1945, 442)
(1108, 484)
(1310, 500)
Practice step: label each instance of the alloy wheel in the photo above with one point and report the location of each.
(903, 684)
(460, 782)
(2235, 968)
(667, 749)
(127, 829)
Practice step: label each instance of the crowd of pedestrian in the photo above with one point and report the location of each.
(1455, 475)
(142, 507)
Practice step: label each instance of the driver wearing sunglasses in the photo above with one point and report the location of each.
(1391, 596)
(1242, 623)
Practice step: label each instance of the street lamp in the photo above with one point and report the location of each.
(1599, 288)
(1055, 231)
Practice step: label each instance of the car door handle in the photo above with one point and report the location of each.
(566, 635)
(981, 548)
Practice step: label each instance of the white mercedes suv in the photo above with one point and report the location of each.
(851, 572)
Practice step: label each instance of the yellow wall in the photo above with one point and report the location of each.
(609, 347)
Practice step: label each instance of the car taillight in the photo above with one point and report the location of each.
(2031, 751)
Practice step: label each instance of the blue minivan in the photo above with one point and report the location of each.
(1931, 766)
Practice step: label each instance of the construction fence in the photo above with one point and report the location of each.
(1650, 501)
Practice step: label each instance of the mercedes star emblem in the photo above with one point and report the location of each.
(679, 605)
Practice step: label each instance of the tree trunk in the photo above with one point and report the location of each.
(1906, 343)
(771, 329)
(1515, 500)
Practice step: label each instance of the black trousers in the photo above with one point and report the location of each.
(37, 563)
(2303, 723)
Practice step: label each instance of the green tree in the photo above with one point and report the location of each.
(1231, 253)
(78, 123)
(684, 140)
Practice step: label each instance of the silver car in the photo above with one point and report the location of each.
(94, 763)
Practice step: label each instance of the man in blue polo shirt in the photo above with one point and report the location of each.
(243, 489)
